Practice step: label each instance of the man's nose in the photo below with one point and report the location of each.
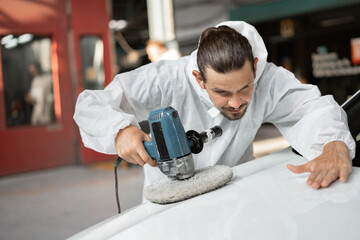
(234, 102)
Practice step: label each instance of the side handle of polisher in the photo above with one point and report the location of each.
(197, 140)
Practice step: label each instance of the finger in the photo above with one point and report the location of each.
(130, 160)
(124, 156)
(344, 174)
(146, 157)
(138, 160)
(127, 155)
(318, 180)
(146, 137)
(312, 177)
(331, 176)
(299, 169)
(151, 162)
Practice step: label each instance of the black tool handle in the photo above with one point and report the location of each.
(209, 135)
(198, 139)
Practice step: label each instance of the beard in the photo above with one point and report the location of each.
(234, 116)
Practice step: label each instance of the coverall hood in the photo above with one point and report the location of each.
(258, 49)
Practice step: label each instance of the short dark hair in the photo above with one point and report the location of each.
(223, 49)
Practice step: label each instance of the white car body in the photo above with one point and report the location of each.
(264, 200)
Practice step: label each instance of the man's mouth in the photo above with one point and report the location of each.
(235, 110)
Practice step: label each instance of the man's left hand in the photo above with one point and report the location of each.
(333, 163)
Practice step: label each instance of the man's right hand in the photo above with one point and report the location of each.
(130, 147)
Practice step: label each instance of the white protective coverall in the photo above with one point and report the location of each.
(307, 120)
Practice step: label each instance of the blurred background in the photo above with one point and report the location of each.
(51, 186)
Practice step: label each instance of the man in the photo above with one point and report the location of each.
(157, 51)
(226, 82)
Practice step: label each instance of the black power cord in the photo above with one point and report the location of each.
(116, 165)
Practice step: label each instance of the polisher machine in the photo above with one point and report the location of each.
(171, 147)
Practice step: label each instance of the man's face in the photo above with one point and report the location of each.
(230, 92)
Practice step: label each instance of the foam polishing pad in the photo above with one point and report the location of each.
(204, 180)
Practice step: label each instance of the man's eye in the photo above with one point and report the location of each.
(224, 94)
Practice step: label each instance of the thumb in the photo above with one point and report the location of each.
(146, 137)
(299, 169)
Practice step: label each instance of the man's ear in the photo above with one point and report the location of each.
(198, 79)
(255, 65)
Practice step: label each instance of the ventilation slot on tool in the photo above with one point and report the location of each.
(156, 116)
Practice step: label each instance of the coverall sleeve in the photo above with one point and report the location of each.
(128, 99)
(306, 119)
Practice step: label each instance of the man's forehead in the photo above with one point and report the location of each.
(240, 76)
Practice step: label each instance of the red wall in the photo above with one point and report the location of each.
(91, 20)
(26, 148)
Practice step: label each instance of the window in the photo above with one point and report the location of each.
(27, 78)
(92, 59)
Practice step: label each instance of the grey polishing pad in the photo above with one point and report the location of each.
(205, 180)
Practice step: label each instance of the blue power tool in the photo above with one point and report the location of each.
(171, 147)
